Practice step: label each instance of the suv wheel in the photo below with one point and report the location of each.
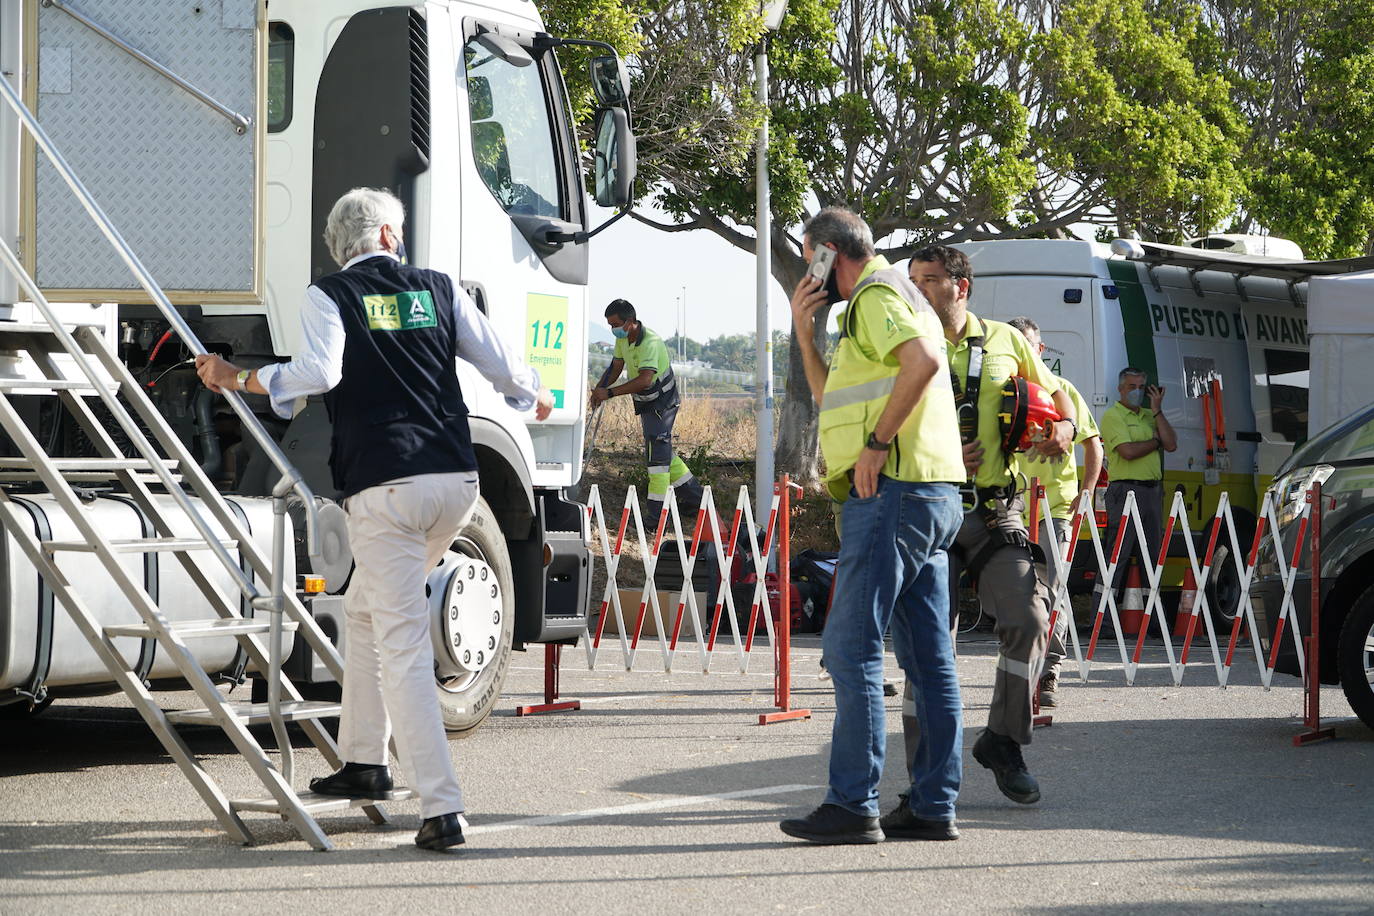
(1355, 657)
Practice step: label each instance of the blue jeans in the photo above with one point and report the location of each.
(893, 569)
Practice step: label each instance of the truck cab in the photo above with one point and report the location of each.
(461, 110)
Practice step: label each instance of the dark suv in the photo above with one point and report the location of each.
(1342, 457)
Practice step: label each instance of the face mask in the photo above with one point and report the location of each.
(1135, 397)
(620, 332)
(401, 251)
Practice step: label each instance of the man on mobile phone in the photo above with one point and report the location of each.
(1136, 439)
(891, 447)
(654, 390)
(992, 544)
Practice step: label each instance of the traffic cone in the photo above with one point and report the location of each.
(1187, 600)
(1132, 603)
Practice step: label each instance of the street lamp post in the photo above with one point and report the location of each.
(773, 11)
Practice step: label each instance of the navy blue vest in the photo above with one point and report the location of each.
(398, 410)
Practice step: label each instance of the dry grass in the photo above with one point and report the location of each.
(725, 427)
(717, 436)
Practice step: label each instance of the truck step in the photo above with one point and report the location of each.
(203, 629)
(256, 713)
(138, 545)
(316, 804)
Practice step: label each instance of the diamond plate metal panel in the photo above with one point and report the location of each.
(173, 175)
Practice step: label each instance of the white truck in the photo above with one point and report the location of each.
(217, 135)
(1188, 316)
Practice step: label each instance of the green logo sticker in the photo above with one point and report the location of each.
(891, 327)
(400, 312)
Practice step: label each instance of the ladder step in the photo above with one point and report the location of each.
(256, 713)
(41, 335)
(201, 629)
(38, 384)
(315, 804)
(86, 464)
(138, 545)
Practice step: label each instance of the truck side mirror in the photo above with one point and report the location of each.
(610, 81)
(614, 164)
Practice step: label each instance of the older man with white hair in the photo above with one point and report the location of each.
(380, 342)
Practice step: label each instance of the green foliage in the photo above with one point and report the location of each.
(1303, 76)
(701, 462)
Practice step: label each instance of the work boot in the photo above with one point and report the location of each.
(441, 832)
(1049, 690)
(903, 824)
(1003, 756)
(831, 825)
(356, 780)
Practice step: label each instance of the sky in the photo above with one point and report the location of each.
(652, 269)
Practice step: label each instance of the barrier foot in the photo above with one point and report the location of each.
(768, 718)
(1316, 734)
(1042, 721)
(552, 655)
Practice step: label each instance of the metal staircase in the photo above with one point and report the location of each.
(167, 484)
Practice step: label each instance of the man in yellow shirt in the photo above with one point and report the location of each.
(1136, 440)
(643, 356)
(891, 447)
(1063, 490)
(992, 543)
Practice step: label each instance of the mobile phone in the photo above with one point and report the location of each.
(822, 262)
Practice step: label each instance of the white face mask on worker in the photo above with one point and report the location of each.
(1135, 397)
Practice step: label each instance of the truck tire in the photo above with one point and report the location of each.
(466, 699)
(1355, 657)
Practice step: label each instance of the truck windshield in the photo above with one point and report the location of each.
(512, 140)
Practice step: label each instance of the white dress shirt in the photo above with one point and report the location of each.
(319, 367)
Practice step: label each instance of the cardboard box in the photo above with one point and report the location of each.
(667, 602)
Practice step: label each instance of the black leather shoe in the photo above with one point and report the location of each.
(902, 824)
(832, 825)
(356, 780)
(440, 832)
(1003, 756)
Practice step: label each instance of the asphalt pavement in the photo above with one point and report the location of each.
(663, 795)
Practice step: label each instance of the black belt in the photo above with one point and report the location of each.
(1137, 483)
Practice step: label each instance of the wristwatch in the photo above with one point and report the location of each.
(877, 446)
(241, 380)
(1073, 424)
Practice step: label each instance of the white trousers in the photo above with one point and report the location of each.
(398, 531)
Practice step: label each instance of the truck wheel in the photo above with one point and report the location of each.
(472, 612)
(1355, 657)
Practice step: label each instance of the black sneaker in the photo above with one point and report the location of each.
(1049, 690)
(1003, 756)
(902, 824)
(832, 825)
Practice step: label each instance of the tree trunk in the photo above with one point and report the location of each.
(798, 448)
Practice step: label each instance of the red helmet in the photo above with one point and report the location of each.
(1027, 409)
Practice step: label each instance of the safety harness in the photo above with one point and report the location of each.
(998, 507)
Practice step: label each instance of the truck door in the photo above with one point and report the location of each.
(521, 182)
